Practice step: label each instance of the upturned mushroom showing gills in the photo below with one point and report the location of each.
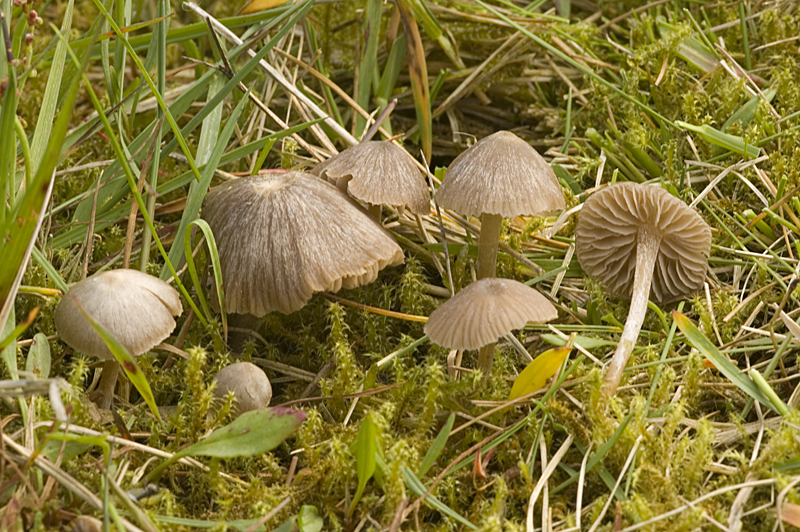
(500, 176)
(136, 308)
(283, 237)
(486, 310)
(378, 173)
(641, 242)
(249, 384)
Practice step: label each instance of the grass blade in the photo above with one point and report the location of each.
(437, 446)
(720, 361)
(415, 485)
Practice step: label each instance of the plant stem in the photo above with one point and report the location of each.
(491, 225)
(648, 241)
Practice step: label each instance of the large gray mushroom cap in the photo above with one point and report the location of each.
(486, 310)
(606, 237)
(379, 173)
(283, 237)
(248, 383)
(500, 174)
(136, 308)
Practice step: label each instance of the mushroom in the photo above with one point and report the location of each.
(249, 384)
(378, 173)
(641, 241)
(283, 237)
(498, 177)
(136, 308)
(484, 311)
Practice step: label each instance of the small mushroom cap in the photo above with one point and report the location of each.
(283, 237)
(248, 383)
(136, 308)
(379, 173)
(486, 310)
(605, 240)
(500, 174)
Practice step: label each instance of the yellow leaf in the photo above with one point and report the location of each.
(535, 375)
(260, 5)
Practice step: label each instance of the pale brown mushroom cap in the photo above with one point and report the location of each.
(248, 383)
(500, 174)
(136, 308)
(378, 173)
(283, 237)
(486, 310)
(605, 240)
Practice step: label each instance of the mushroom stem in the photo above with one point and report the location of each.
(491, 225)
(648, 240)
(108, 381)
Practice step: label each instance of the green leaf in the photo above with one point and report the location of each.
(252, 433)
(723, 140)
(586, 342)
(535, 374)
(125, 360)
(309, 520)
(746, 112)
(39, 359)
(437, 446)
(365, 451)
(720, 361)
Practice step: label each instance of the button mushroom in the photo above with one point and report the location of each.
(283, 237)
(378, 173)
(484, 311)
(249, 384)
(136, 308)
(641, 242)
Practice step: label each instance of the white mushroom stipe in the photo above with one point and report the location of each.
(642, 242)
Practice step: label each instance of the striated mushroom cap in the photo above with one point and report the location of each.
(136, 308)
(500, 174)
(283, 237)
(248, 383)
(486, 310)
(379, 173)
(605, 240)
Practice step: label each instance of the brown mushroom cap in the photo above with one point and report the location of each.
(486, 310)
(283, 237)
(501, 174)
(136, 308)
(605, 240)
(248, 383)
(379, 173)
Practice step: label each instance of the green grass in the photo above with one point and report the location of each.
(700, 98)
